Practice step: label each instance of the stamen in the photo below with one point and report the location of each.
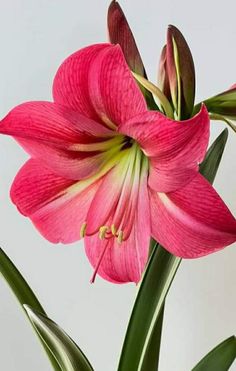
(83, 230)
(102, 232)
(98, 263)
(108, 122)
(113, 229)
(120, 237)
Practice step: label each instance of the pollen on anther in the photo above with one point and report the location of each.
(103, 231)
(113, 229)
(83, 230)
(120, 237)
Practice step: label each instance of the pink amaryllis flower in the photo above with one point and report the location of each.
(105, 168)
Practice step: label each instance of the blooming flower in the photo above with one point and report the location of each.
(105, 168)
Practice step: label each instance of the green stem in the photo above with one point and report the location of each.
(217, 117)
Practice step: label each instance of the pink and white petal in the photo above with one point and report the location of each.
(193, 221)
(69, 164)
(113, 91)
(57, 206)
(123, 262)
(168, 141)
(52, 133)
(107, 197)
(70, 86)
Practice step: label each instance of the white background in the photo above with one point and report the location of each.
(35, 37)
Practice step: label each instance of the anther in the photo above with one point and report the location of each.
(120, 237)
(83, 230)
(113, 229)
(102, 232)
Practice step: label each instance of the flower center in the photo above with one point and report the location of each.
(128, 142)
(124, 169)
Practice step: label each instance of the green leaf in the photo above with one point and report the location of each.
(67, 353)
(142, 342)
(216, 117)
(155, 284)
(151, 357)
(210, 165)
(220, 358)
(23, 292)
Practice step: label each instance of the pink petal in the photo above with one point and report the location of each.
(96, 82)
(57, 210)
(115, 196)
(193, 221)
(169, 180)
(114, 93)
(52, 133)
(123, 262)
(70, 87)
(105, 201)
(174, 148)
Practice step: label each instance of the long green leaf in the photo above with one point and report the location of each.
(144, 330)
(153, 290)
(220, 358)
(23, 292)
(210, 165)
(152, 354)
(67, 353)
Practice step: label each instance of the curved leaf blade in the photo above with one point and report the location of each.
(211, 163)
(23, 293)
(67, 353)
(220, 358)
(155, 284)
(152, 354)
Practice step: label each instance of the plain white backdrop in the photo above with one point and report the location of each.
(35, 37)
